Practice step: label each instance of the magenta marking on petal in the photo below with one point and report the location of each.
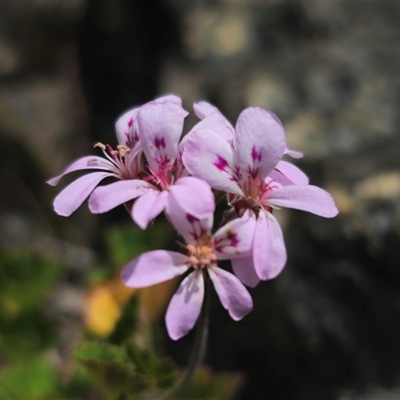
(92, 161)
(234, 239)
(191, 219)
(252, 172)
(237, 171)
(131, 140)
(221, 163)
(130, 123)
(231, 240)
(159, 142)
(256, 155)
(198, 231)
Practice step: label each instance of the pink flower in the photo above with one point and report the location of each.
(164, 181)
(124, 163)
(257, 181)
(203, 250)
(153, 129)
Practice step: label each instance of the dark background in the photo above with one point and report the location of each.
(328, 326)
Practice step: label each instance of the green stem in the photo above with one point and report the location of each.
(198, 350)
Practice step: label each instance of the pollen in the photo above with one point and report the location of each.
(201, 255)
(122, 150)
(101, 145)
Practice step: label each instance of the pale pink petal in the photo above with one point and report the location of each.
(276, 179)
(107, 197)
(214, 121)
(194, 196)
(88, 162)
(208, 156)
(260, 142)
(126, 128)
(148, 206)
(202, 109)
(235, 238)
(126, 125)
(293, 153)
(185, 306)
(160, 128)
(181, 171)
(77, 192)
(269, 251)
(233, 295)
(218, 124)
(133, 161)
(296, 175)
(305, 197)
(154, 267)
(191, 228)
(244, 270)
(169, 98)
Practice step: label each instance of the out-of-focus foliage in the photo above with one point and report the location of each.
(30, 366)
(25, 327)
(119, 361)
(103, 306)
(212, 386)
(329, 70)
(125, 243)
(105, 300)
(126, 371)
(34, 379)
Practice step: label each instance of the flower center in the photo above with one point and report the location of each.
(163, 177)
(122, 159)
(201, 256)
(254, 190)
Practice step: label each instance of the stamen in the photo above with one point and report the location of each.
(122, 150)
(101, 145)
(201, 256)
(191, 248)
(160, 178)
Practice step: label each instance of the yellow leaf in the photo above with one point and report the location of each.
(105, 302)
(103, 306)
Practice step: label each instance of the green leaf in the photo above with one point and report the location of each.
(126, 371)
(111, 369)
(126, 324)
(26, 278)
(212, 386)
(35, 379)
(161, 371)
(126, 243)
(27, 334)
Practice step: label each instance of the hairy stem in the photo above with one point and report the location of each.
(198, 350)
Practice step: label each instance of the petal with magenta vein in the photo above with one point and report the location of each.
(260, 142)
(208, 156)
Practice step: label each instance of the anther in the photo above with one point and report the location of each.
(122, 150)
(101, 145)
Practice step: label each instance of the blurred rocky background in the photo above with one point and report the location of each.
(329, 326)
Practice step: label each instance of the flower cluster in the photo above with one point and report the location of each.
(154, 170)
